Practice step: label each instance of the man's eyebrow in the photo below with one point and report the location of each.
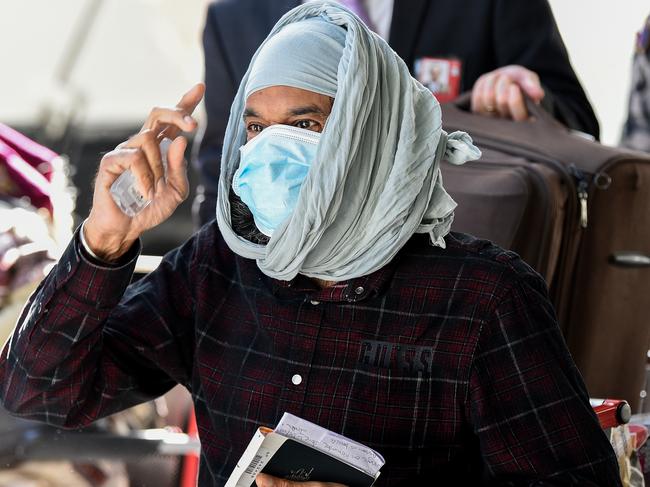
(294, 112)
(306, 110)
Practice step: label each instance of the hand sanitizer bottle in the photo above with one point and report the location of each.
(124, 192)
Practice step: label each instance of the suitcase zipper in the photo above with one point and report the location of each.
(579, 178)
(581, 187)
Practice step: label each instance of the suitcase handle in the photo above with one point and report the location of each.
(630, 259)
(537, 113)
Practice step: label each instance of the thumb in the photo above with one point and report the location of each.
(176, 171)
(264, 480)
(176, 154)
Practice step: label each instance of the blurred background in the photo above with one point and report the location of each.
(80, 75)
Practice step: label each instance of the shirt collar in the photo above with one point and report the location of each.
(350, 291)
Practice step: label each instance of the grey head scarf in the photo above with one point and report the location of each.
(376, 178)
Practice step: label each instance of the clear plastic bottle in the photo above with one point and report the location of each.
(124, 191)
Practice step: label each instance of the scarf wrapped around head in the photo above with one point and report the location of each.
(376, 178)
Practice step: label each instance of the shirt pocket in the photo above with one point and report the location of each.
(407, 402)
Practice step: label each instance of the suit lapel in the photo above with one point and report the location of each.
(408, 17)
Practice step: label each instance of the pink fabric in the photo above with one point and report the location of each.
(36, 155)
(358, 7)
(25, 168)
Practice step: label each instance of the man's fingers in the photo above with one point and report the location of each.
(192, 98)
(167, 122)
(532, 87)
(528, 81)
(488, 95)
(176, 153)
(264, 480)
(535, 91)
(176, 170)
(484, 94)
(148, 142)
(118, 161)
(502, 90)
(516, 103)
(476, 94)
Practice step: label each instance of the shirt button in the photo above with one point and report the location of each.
(68, 267)
(314, 302)
(359, 290)
(296, 379)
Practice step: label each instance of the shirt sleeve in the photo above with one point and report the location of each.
(85, 346)
(527, 402)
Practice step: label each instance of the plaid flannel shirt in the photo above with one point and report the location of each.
(448, 362)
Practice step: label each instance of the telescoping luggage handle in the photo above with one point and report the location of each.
(630, 259)
(537, 113)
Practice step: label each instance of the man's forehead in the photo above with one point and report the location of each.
(286, 100)
(253, 111)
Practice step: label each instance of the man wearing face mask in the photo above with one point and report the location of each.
(499, 49)
(328, 287)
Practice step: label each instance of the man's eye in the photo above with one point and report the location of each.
(305, 124)
(254, 127)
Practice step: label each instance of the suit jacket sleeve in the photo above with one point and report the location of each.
(221, 86)
(525, 33)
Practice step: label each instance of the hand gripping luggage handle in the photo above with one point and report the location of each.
(536, 112)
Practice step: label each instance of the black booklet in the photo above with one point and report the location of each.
(301, 451)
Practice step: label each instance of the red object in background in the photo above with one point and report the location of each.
(640, 434)
(611, 412)
(441, 75)
(25, 168)
(190, 469)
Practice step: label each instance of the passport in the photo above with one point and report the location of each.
(301, 451)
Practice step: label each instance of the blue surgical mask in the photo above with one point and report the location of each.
(272, 168)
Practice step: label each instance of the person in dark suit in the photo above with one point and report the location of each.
(502, 49)
(636, 131)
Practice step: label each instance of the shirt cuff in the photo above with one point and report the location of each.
(93, 281)
(94, 259)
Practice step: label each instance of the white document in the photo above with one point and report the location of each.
(338, 446)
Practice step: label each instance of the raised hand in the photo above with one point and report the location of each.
(108, 231)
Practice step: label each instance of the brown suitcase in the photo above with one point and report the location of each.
(579, 213)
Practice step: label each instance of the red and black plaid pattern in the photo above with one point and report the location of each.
(448, 362)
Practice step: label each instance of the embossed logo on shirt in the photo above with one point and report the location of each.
(406, 359)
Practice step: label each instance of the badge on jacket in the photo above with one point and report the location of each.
(440, 75)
